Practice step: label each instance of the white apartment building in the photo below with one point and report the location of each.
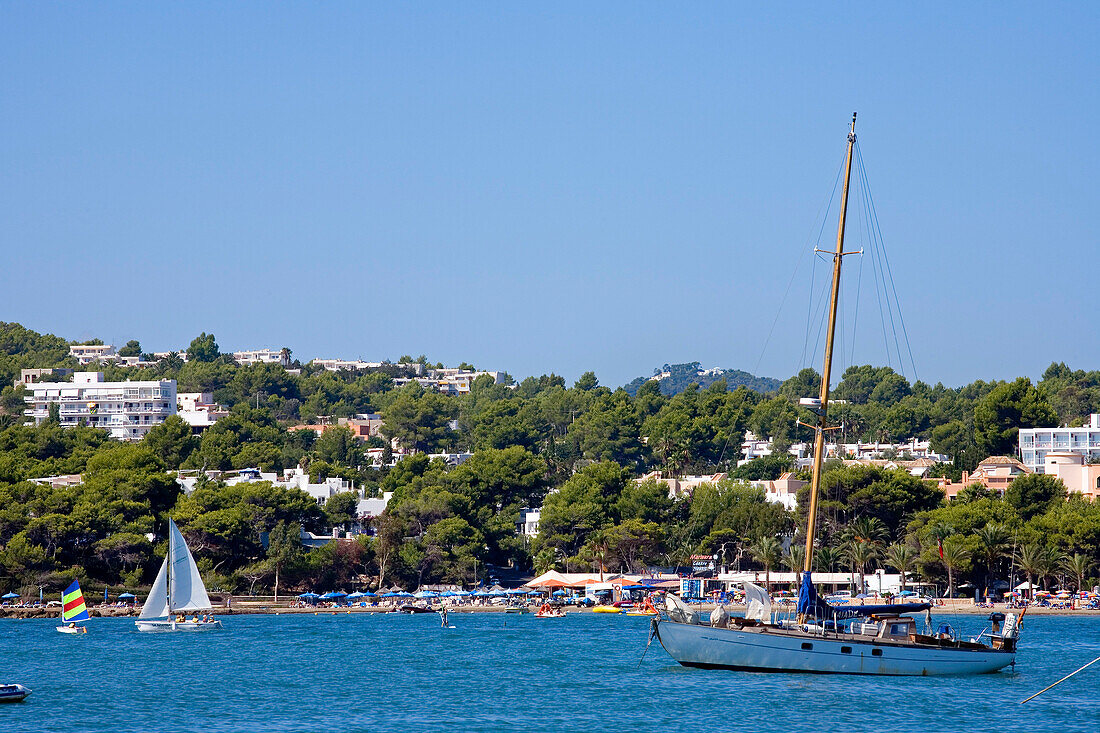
(198, 409)
(449, 381)
(754, 447)
(1036, 443)
(354, 365)
(528, 524)
(126, 409)
(260, 356)
(87, 353)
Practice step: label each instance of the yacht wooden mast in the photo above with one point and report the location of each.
(819, 441)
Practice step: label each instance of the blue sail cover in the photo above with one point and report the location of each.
(811, 606)
(807, 597)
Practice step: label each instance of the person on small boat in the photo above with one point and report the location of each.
(443, 616)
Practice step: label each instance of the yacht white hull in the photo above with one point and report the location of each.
(192, 626)
(761, 651)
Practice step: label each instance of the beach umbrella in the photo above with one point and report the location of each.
(9, 596)
(463, 593)
(390, 595)
(334, 594)
(356, 594)
(368, 594)
(404, 594)
(480, 594)
(559, 593)
(308, 595)
(123, 596)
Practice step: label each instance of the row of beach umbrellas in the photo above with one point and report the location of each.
(336, 595)
(121, 596)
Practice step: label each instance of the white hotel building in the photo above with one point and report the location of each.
(126, 409)
(1036, 443)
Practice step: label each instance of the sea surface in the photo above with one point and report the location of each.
(360, 672)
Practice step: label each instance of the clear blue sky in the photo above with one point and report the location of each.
(548, 187)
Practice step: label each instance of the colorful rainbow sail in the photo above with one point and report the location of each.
(72, 604)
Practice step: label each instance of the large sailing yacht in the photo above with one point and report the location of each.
(878, 640)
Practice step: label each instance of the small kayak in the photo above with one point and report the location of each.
(640, 613)
(606, 609)
(14, 693)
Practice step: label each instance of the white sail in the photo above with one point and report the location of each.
(187, 590)
(758, 603)
(156, 605)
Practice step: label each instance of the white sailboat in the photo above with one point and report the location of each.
(875, 640)
(177, 591)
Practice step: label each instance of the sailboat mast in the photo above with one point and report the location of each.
(819, 440)
(168, 575)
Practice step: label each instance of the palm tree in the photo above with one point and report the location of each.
(1052, 560)
(1031, 558)
(902, 558)
(827, 558)
(940, 531)
(599, 553)
(955, 555)
(867, 529)
(1077, 565)
(794, 557)
(861, 553)
(766, 551)
(992, 543)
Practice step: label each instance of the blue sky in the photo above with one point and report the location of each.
(559, 187)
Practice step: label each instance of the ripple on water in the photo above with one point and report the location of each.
(304, 672)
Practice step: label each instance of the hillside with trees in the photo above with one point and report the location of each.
(573, 449)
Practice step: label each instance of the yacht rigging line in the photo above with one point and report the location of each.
(1079, 669)
(889, 287)
(823, 214)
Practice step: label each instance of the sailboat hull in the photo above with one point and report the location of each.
(715, 648)
(169, 626)
(72, 629)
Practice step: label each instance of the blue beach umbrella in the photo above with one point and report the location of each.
(559, 593)
(123, 596)
(368, 594)
(463, 593)
(425, 594)
(308, 595)
(332, 594)
(390, 595)
(356, 594)
(481, 594)
(9, 596)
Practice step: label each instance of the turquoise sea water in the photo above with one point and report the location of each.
(364, 672)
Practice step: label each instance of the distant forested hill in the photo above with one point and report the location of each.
(674, 378)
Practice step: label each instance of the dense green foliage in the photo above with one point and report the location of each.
(575, 451)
